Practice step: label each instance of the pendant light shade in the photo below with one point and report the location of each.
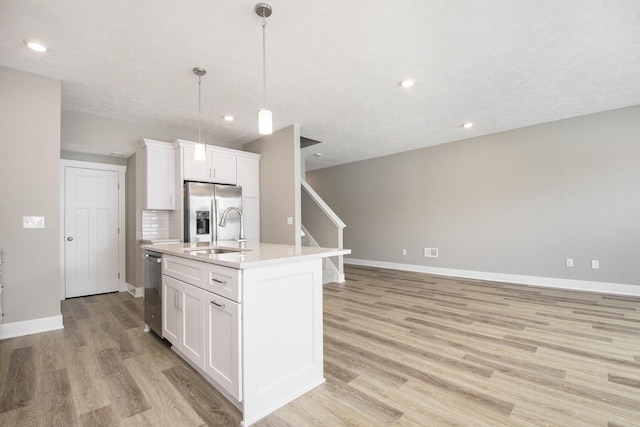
(265, 122)
(265, 119)
(201, 149)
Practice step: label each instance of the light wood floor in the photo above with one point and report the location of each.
(401, 349)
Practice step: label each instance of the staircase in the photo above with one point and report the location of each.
(321, 227)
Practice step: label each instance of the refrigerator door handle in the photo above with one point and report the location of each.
(214, 219)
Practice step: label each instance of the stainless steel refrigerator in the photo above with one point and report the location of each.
(204, 204)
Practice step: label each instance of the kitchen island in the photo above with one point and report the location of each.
(248, 317)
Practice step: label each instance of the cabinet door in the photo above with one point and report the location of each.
(251, 214)
(223, 166)
(192, 331)
(192, 169)
(171, 319)
(223, 343)
(160, 177)
(248, 171)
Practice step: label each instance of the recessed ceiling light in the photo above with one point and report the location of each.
(318, 154)
(228, 118)
(468, 125)
(35, 46)
(407, 82)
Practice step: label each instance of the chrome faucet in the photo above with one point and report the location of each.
(223, 221)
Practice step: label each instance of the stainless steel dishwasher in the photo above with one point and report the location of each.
(153, 292)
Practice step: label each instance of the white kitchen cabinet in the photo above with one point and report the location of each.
(263, 339)
(223, 351)
(251, 214)
(171, 321)
(248, 173)
(192, 342)
(192, 169)
(185, 270)
(158, 172)
(219, 166)
(223, 281)
(223, 165)
(183, 318)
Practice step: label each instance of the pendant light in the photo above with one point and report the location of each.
(265, 120)
(201, 148)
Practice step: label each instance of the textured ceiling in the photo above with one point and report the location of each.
(333, 66)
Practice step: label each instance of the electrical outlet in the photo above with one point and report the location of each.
(431, 252)
(569, 262)
(404, 252)
(595, 264)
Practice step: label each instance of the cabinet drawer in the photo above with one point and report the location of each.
(223, 281)
(186, 270)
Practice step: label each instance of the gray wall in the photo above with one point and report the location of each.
(82, 131)
(279, 185)
(517, 202)
(29, 186)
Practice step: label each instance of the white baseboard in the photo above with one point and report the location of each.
(136, 292)
(28, 327)
(550, 282)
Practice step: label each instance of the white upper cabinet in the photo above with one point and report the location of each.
(248, 168)
(251, 213)
(158, 171)
(223, 165)
(192, 169)
(219, 166)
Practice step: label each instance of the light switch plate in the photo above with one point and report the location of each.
(32, 222)
(290, 220)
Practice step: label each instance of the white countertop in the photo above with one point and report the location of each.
(252, 254)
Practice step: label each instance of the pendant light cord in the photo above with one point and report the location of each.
(199, 109)
(264, 59)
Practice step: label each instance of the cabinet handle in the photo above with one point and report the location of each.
(222, 282)
(217, 305)
(175, 299)
(171, 201)
(210, 173)
(153, 258)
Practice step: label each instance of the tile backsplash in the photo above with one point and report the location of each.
(155, 225)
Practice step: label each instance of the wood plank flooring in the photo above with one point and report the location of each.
(401, 349)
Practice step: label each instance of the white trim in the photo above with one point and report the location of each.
(28, 327)
(335, 219)
(121, 169)
(550, 282)
(337, 276)
(135, 292)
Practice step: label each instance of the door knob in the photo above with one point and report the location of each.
(70, 238)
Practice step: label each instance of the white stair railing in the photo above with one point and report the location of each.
(321, 222)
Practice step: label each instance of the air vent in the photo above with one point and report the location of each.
(431, 252)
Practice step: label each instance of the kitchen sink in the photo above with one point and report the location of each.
(212, 251)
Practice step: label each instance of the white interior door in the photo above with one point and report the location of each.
(90, 231)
